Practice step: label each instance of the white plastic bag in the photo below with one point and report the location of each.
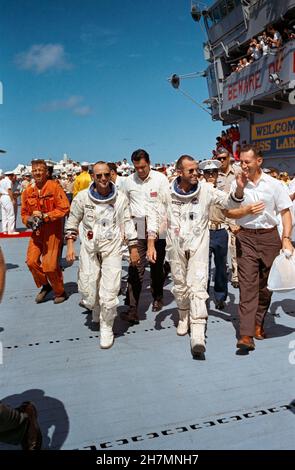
(282, 273)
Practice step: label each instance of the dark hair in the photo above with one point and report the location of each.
(255, 149)
(113, 166)
(274, 170)
(179, 162)
(50, 170)
(139, 154)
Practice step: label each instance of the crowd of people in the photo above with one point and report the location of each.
(230, 141)
(268, 42)
(200, 211)
(181, 215)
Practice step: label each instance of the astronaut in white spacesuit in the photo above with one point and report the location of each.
(106, 222)
(187, 207)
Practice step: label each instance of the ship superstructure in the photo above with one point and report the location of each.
(258, 96)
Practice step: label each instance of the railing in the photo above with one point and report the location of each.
(265, 76)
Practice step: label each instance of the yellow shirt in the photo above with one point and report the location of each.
(82, 181)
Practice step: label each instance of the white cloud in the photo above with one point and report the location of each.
(73, 103)
(57, 105)
(82, 110)
(43, 57)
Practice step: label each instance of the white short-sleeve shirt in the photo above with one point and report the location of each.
(141, 193)
(272, 193)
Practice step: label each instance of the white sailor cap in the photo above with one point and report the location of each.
(209, 165)
(7, 173)
(85, 164)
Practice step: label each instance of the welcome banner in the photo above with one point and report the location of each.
(276, 136)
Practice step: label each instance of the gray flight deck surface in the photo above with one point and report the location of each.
(146, 392)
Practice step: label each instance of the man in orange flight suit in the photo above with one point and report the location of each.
(44, 205)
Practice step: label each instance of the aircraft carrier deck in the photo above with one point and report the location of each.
(147, 391)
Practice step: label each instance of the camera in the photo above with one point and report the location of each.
(34, 223)
(37, 222)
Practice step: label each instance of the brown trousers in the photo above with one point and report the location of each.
(256, 251)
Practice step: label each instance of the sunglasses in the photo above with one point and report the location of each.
(210, 172)
(221, 159)
(100, 175)
(192, 170)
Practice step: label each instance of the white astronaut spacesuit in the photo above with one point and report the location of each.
(188, 252)
(106, 221)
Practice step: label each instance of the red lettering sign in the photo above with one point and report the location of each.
(244, 86)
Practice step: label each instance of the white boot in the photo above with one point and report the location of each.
(107, 316)
(106, 335)
(183, 323)
(198, 338)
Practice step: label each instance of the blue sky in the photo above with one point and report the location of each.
(88, 78)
